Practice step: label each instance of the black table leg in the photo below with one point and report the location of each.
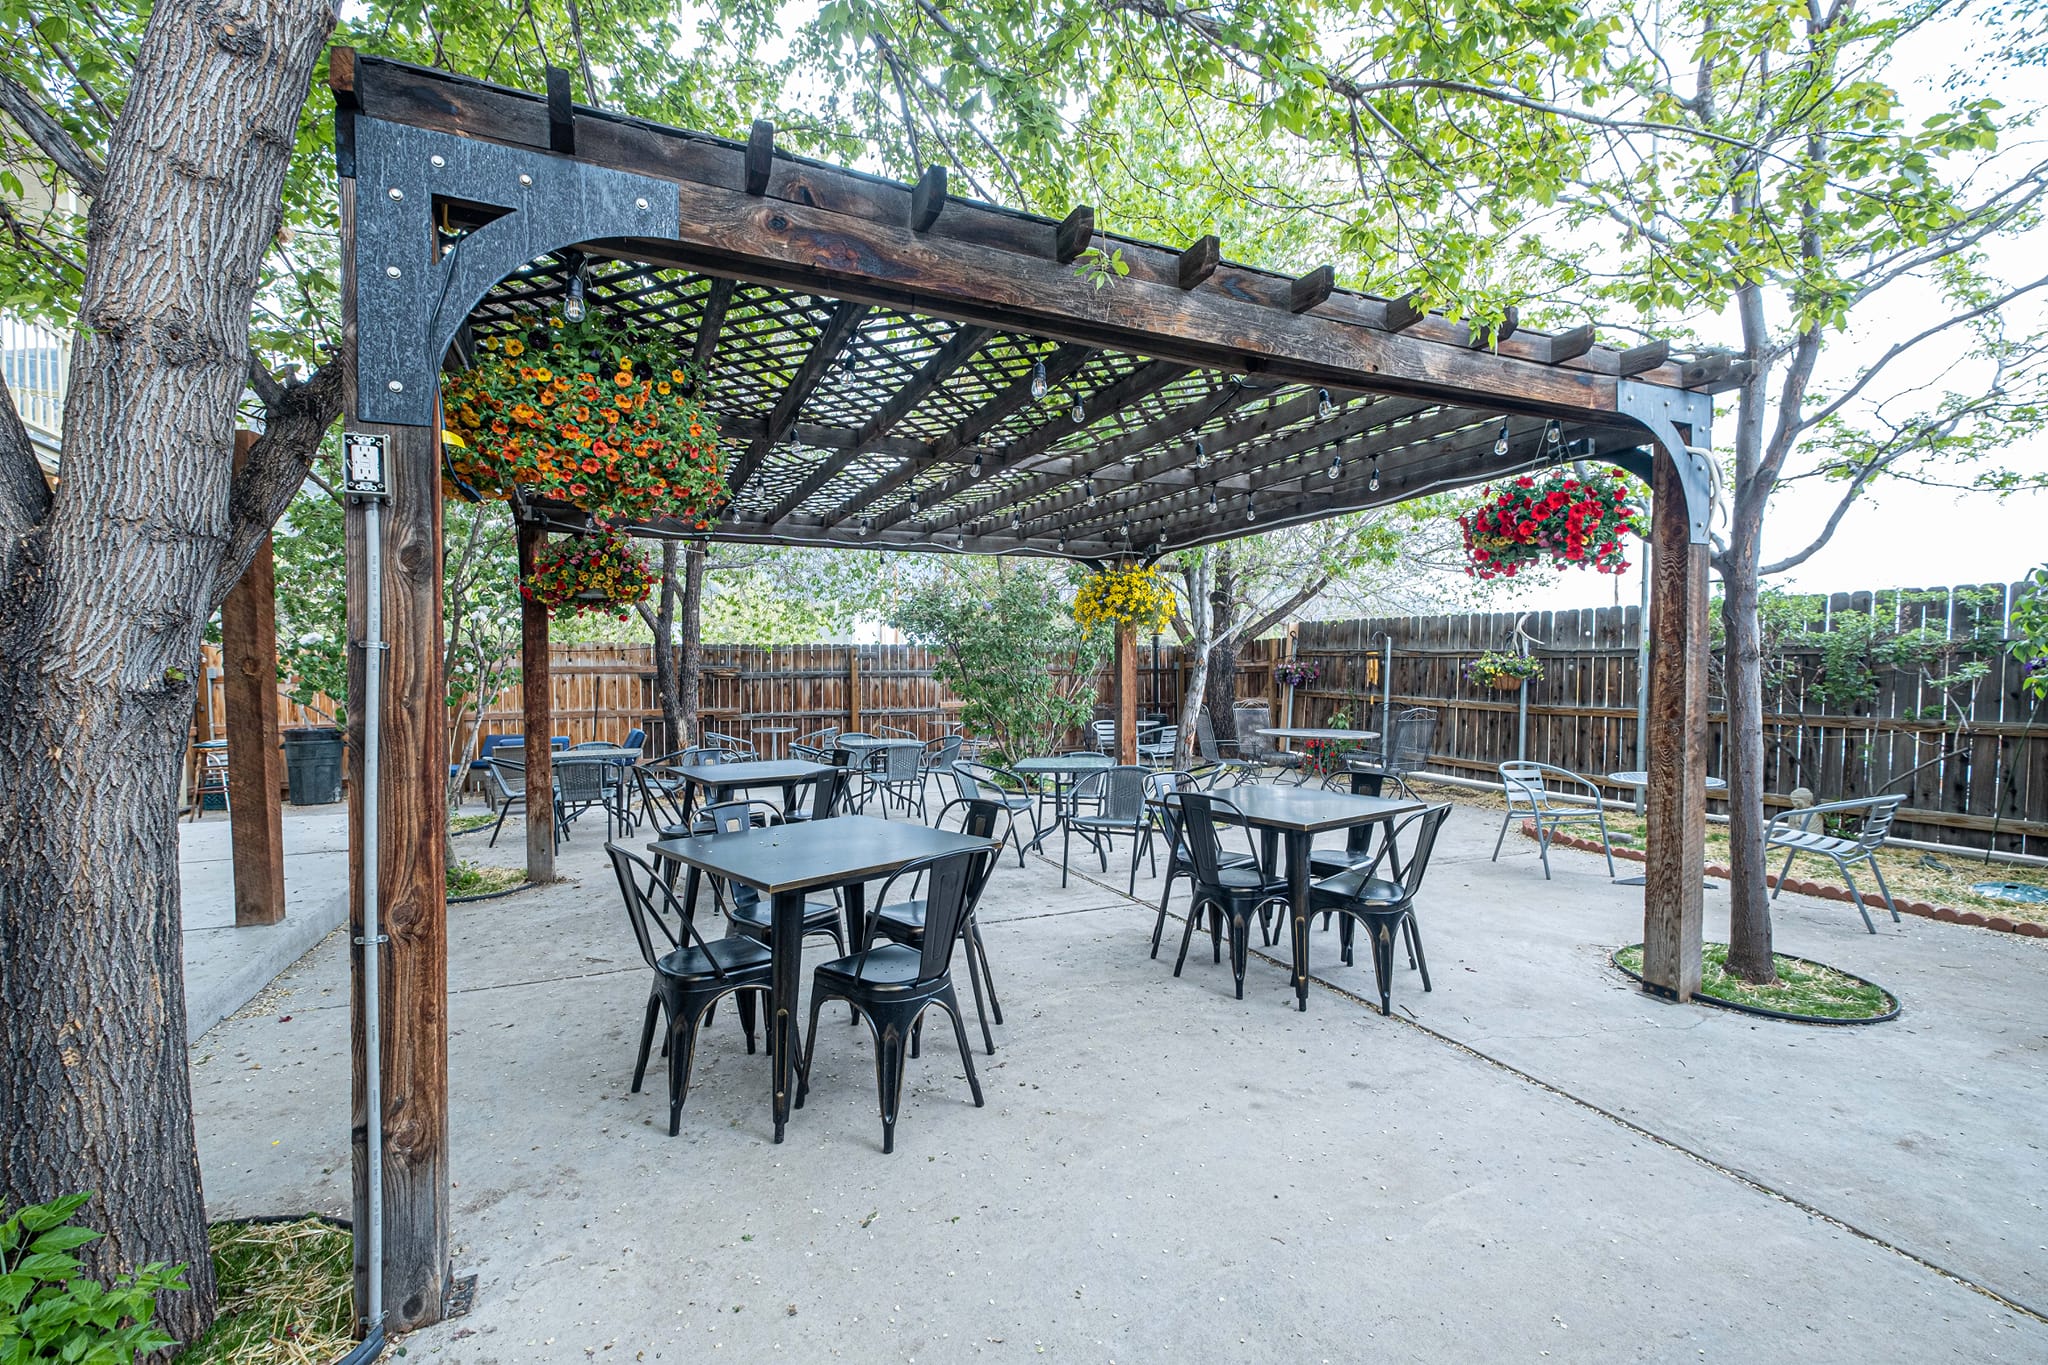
(856, 896)
(1298, 844)
(786, 941)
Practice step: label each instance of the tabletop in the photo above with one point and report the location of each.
(758, 772)
(1310, 810)
(1062, 763)
(1309, 732)
(774, 729)
(816, 853)
(878, 742)
(1636, 778)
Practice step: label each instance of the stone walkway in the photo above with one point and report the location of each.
(1534, 1160)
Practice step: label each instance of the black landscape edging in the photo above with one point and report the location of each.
(1613, 960)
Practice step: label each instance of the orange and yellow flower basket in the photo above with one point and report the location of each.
(588, 414)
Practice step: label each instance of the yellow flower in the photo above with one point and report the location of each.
(515, 347)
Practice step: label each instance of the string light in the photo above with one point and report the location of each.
(1201, 456)
(1016, 521)
(916, 505)
(572, 304)
(1336, 467)
(1038, 379)
(1553, 434)
(1500, 442)
(846, 362)
(1127, 530)
(1372, 485)
(1088, 490)
(1251, 509)
(1214, 507)
(1078, 413)
(1062, 542)
(866, 524)
(976, 471)
(1323, 405)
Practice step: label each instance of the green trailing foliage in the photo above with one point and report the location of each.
(52, 1311)
(1810, 655)
(2028, 629)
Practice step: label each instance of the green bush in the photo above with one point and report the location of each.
(51, 1311)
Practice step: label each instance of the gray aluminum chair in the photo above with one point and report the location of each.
(1120, 809)
(899, 777)
(983, 782)
(581, 783)
(1794, 831)
(1550, 796)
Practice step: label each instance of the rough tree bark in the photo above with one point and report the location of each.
(107, 588)
(676, 678)
(1222, 662)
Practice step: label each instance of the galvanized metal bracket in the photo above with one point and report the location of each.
(409, 304)
(1661, 410)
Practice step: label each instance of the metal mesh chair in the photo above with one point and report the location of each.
(508, 776)
(980, 781)
(1551, 797)
(1220, 753)
(1794, 831)
(581, 783)
(898, 774)
(1120, 809)
(1403, 752)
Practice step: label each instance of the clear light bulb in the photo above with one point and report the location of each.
(1201, 456)
(1038, 379)
(1500, 442)
(1088, 488)
(1372, 485)
(1323, 405)
(976, 471)
(1078, 413)
(1336, 467)
(572, 303)
(1251, 510)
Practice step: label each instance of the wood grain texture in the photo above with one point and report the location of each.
(248, 632)
(535, 660)
(1126, 693)
(1675, 804)
(1199, 261)
(1072, 234)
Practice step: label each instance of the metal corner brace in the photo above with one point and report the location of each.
(1661, 411)
(409, 304)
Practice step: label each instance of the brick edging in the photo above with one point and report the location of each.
(1944, 913)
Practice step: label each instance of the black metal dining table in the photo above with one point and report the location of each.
(787, 862)
(1295, 816)
(721, 780)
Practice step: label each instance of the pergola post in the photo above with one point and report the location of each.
(1676, 801)
(412, 824)
(537, 693)
(248, 636)
(1126, 693)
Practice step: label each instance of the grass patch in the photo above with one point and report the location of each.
(462, 824)
(285, 1295)
(466, 878)
(1906, 870)
(1803, 987)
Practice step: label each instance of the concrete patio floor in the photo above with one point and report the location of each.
(1533, 1161)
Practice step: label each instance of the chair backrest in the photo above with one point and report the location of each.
(1426, 823)
(1877, 824)
(979, 820)
(1202, 847)
(583, 779)
(820, 739)
(664, 803)
(701, 756)
(651, 906)
(490, 742)
(1205, 736)
(987, 782)
(828, 794)
(809, 753)
(893, 732)
(1122, 791)
(635, 739)
(592, 744)
(732, 743)
(949, 880)
(940, 753)
(559, 742)
(1105, 734)
(1162, 737)
(1414, 734)
(510, 775)
(728, 818)
(1523, 782)
(901, 763)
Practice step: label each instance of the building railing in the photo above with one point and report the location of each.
(37, 365)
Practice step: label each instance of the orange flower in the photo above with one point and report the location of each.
(663, 386)
(590, 466)
(500, 429)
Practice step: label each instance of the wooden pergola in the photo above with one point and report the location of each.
(899, 368)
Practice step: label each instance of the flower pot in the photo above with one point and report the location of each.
(1506, 684)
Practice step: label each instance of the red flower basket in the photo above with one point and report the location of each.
(589, 573)
(1554, 518)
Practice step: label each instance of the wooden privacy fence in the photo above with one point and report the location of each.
(1971, 755)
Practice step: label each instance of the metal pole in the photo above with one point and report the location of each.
(1643, 681)
(372, 939)
(1387, 695)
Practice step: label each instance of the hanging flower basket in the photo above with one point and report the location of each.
(1503, 672)
(1295, 673)
(1554, 518)
(600, 574)
(587, 414)
(1130, 596)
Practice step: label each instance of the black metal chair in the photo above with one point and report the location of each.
(1119, 795)
(892, 984)
(691, 974)
(824, 798)
(1221, 753)
(1360, 895)
(1234, 895)
(746, 912)
(1357, 839)
(1160, 785)
(980, 781)
(904, 921)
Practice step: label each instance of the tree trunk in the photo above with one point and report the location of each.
(1222, 659)
(100, 629)
(662, 624)
(690, 670)
(1749, 928)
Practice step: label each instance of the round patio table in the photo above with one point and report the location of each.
(1310, 732)
(775, 735)
(1641, 781)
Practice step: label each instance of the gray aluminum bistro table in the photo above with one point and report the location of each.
(1297, 815)
(1066, 771)
(785, 863)
(721, 780)
(1640, 781)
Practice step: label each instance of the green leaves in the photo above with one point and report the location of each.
(50, 1311)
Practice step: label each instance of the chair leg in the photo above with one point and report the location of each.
(682, 1052)
(1878, 873)
(1543, 845)
(1187, 935)
(987, 973)
(1345, 930)
(1132, 889)
(1505, 821)
(743, 1001)
(1383, 961)
(1855, 895)
(502, 813)
(1414, 932)
(1784, 871)
(1066, 847)
(952, 1004)
(1215, 932)
(810, 1048)
(646, 1039)
(980, 1010)
(1240, 948)
(1605, 847)
(1159, 924)
(890, 1042)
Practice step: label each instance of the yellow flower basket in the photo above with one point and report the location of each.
(1129, 596)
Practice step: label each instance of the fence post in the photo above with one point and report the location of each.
(853, 687)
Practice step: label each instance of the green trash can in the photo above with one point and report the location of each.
(312, 762)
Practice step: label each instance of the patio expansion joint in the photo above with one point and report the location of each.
(1650, 1135)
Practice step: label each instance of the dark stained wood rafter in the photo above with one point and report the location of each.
(1404, 312)
(928, 199)
(846, 319)
(1199, 262)
(713, 325)
(1571, 345)
(1310, 290)
(1644, 358)
(1072, 234)
(561, 113)
(760, 157)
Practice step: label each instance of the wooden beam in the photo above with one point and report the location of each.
(1644, 358)
(1705, 369)
(537, 722)
(964, 342)
(1199, 262)
(1405, 312)
(1675, 803)
(1570, 345)
(561, 113)
(1062, 363)
(248, 663)
(831, 341)
(1126, 693)
(1072, 234)
(760, 156)
(1311, 289)
(713, 325)
(1488, 338)
(928, 199)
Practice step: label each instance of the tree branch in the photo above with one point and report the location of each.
(50, 137)
(24, 496)
(277, 465)
(1864, 474)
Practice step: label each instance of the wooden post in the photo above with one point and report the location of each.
(412, 818)
(853, 687)
(1676, 801)
(248, 634)
(537, 693)
(1126, 693)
